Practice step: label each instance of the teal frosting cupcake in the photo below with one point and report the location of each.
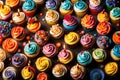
(80, 5)
(84, 58)
(29, 5)
(66, 5)
(116, 51)
(115, 12)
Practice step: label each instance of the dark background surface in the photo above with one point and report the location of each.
(75, 50)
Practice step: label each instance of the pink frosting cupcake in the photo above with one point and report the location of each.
(49, 50)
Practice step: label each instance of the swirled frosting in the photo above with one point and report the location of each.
(29, 5)
(43, 63)
(5, 10)
(115, 12)
(87, 40)
(42, 76)
(84, 58)
(116, 50)
(1, 66)
(88, 21)
(2, 55)
(97, 74)
(9, 73)
(95, 2)
(116, 37)
(71, 38)
(31, 48)
(28, 73)
(49, 49)
(10, 45)
(111, 68)
(111, 3)
(77, 72)
(66, 5)
(103, 41)
(51, 4)
(12, 3)
(80, 6)
(59, 70)
(65, 56)
(103, 28)
(19, 60)
(41, 37)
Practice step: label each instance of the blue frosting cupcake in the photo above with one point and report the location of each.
(51, 4)
(111, 4)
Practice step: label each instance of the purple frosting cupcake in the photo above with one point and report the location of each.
(51, 4)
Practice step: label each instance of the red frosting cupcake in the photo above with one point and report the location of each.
(42, 76)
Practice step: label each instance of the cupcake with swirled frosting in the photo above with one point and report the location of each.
(19, 60)
(18, 33)
(77, 72)
(66, 7)
(51, 4)
(87, 40)
(10, 45)
(59, 70)
(56, 31)
(29, 7)
(2, 55)
(42, 76)
(43, 63)
(72, 38)
(80, 8)
(115, 53)
(9, 73)
(84, 58)
(99, 55)
(111, 68)
(110, 4)
(31, 49)
(50, 50)
(28, 73)
(1, 66)
(65, 56)
(116, 37)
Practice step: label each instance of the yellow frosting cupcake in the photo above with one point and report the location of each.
(2, 55)
(43, 63)
(1, 66)
(71, 38)
(111, 68)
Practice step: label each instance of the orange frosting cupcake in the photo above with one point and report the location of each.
(12, 3)
(103, 28)
(10, 45)
(116, 37)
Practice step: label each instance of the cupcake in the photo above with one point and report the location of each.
(110, 4)
(29, 7)
(65, 56)
(19, 18)
(56, 31)
(52, 17)
(31, 49)
(39, 2)
(103, 16)
(41, 37)
(5, 28)
(80, 8)
(87, 40)
(116, 37)
(88, 22)
(1, 66)
(96, 6)
(99, 55)
(5, 12)
(111, 68)
(66, 7)
(51, 4)
(115, 16)
(9, 73)
(70, 22)
(33, 24)
(59, 70)
(43, 63)
(18, 33)
(115, 52)
(28, 73)
(84, 58)
(77, 72)
(19, 60)
(10, 45)
(50, 50)
(2, 55)
(103, 42)
(97, 74)
(42, 76)
(12, 3)
(72, 38)
(103, 28)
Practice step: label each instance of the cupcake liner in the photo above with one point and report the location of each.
(64, 12)
(81, 14)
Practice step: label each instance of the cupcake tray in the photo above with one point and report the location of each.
(75, 50)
